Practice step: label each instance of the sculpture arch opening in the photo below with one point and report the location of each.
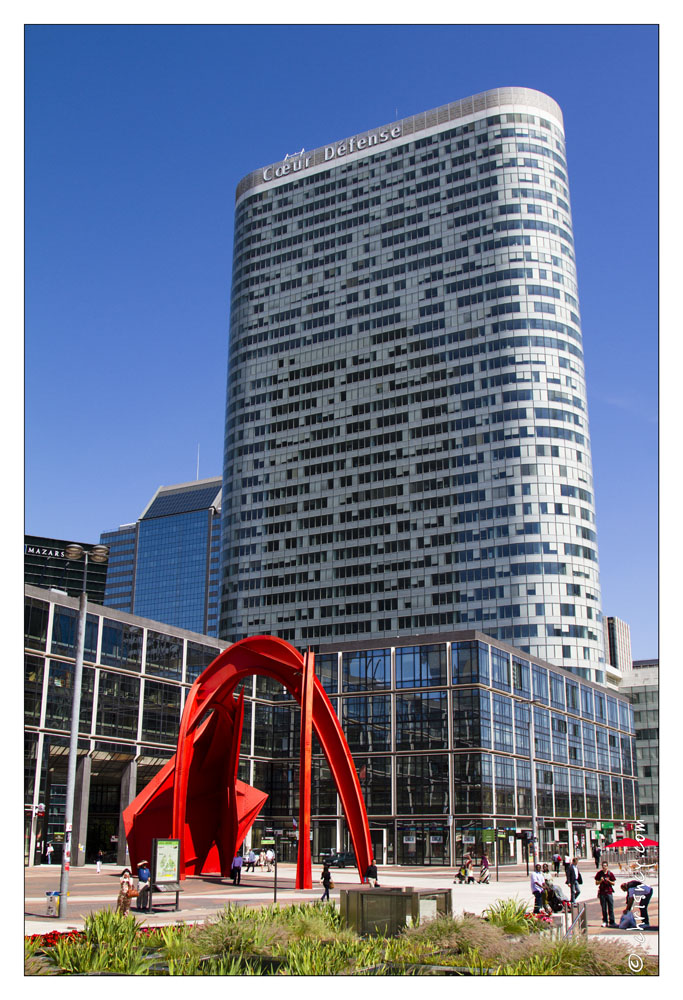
(197, 796)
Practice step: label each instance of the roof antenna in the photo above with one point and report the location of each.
(197, 461)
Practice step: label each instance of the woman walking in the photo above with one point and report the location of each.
(326, 879)
(127, 883)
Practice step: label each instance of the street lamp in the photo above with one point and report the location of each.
(96, 554)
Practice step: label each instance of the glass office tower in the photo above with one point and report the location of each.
(407, 444)
(166, 565)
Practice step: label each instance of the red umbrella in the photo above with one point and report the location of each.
(629, 842)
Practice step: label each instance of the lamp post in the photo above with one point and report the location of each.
(96, 554)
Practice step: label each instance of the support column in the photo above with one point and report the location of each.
(80, 813)
(129, 780)
(304, 878)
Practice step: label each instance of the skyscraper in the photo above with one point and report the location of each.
(617, 646)
(407, 442)
(166, 564)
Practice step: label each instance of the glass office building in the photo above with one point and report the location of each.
(439, 727)
(407, 445)
(166, 565)
(46, 565)
(641, 686)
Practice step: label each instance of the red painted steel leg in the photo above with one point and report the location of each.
(303, 863)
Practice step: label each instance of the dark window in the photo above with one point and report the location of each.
(366, 669)
(540, 680)
(422, 784)
(64, 627)
(33, 689)
(117, 705)
(160, 712)
(198, 659)
(470, 662)
(367, 722)
(164, 656)
(420, 666)
(500, 669)
(422, 721)
(471, 719)
(60, 694)
(121, 645)
(35, 623)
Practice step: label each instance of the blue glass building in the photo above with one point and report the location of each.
(165, 565)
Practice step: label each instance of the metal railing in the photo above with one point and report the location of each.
(579, 920)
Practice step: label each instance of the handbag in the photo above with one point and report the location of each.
(132, 893)
(331, 884)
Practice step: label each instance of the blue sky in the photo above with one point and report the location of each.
(136, 137)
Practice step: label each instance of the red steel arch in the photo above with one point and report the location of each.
(212, 694)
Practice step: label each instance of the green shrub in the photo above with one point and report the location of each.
(510, 914)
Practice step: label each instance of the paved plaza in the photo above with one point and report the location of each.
(204, 896)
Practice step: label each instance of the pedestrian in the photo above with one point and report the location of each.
(236, 873)
(538, 889)
(326, 879)
(126, 891)
(605, 881)
(557, 858)
(144, 885)
(262, 860)
(484, 874)
(371, 873)
(469, 871)
(546, 869)
(638, 895)
(574, 880)
(48, 851)
(596, 854)
(251, 861)
(98, 861)
(270, 858)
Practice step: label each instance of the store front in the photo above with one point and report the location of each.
(422, 843)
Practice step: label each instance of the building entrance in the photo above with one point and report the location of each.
(422, 843)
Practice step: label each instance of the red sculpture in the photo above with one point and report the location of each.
(197, 796)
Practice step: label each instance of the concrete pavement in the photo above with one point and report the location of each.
(204, 896)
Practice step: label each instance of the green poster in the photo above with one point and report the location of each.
(167, 860)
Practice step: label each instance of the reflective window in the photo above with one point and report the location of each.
(561, 781)
(612, 712)
(422, 721)
(199, 657)
(500, 669)
(586, 702)
(502, 723)
(626, 763)
(557, 691)
(505, 785)
(589, 755)
(604, 782)
(574, 740)
(470, 662)
(164, 656)
(600, 708)
(592, 803)
(542, 733)
(160, 712)
(559, 733)
(540, 681)
(471, 718)
(64, 628)
(522, 725)
(617, 799)
(572, 693)
(576, 785)
(422, 784)
(467, 779)
(624, 722)
(366, 669)
(121, 645)
(60, 694)
(374, 774)
(521, 676)
(602, 747)
(544, 791)
(367, 722)
(35, 623)
(523, 768)
(327, 671)
(629, 800)
(117, 705)
(33, 689)
(420, 666)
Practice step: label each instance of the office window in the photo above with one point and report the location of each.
(366, 670)
(422, 721)
(470, 662)
(366, 721)
(422, 784)
(420, 666)
(121, 645)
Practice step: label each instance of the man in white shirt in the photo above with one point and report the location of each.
(270, 857)
(537, 888)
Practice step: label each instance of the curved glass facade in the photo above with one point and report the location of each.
(407, 443)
